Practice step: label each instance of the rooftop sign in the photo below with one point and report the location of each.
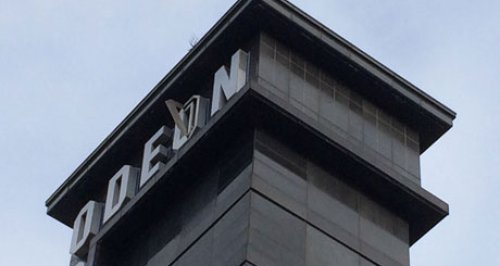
(188, 117)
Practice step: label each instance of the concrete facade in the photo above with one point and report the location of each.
(315, 161)
(268, 206)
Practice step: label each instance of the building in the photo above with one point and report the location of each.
(272, 142)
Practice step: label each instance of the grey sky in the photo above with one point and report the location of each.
(70, 71)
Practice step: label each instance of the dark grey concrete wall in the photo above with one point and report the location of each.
(281, 209)
(277, 237)
(197, 218)
(327, 209)
(324, 97)
(206, 228)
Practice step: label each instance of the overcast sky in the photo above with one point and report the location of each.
(70, 71)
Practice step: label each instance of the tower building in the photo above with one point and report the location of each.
(274, 141)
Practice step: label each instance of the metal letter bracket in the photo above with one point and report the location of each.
(188, 117)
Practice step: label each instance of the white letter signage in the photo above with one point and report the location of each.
(189, 117)
(121, 188)
(226, 85)
(158, 150)
(86, 225)
(156, 154)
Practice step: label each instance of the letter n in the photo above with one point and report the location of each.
(226, 85)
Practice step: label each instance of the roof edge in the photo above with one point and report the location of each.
(160, 87)
(326, 35)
